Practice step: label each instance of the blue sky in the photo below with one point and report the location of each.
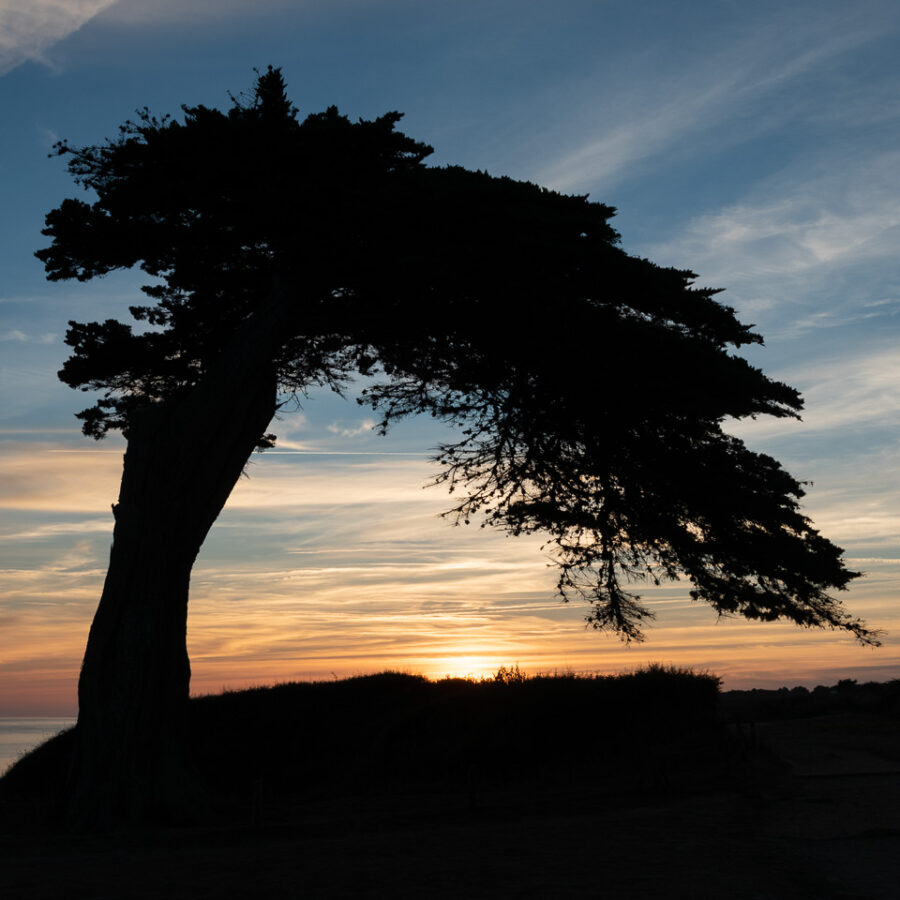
(756, 144)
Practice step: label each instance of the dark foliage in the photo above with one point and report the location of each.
(396, 732)
(392, 732)
(590, 387)
(700, 813)
(761, 705)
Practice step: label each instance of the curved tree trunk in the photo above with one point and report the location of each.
(181, 464)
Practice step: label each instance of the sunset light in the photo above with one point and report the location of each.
(767, 165)
(449, 449)
(473, 667)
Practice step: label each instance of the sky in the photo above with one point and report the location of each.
(757, 144)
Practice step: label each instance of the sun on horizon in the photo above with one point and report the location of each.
(473, 667)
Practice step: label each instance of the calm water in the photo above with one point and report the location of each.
(18, 735)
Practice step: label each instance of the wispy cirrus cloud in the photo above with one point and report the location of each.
(16, 334)
(717, 99)
(170, 12)
(29, 29)
(804, 250)
(38, 478)
(845, 448)
(856, 390)
(346, 429)
(345, 566)
(799, 221)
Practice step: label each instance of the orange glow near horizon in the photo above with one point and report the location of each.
(338, 567)
(473, 667)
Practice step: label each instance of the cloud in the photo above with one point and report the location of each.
(845, 445)
(28, 30)
(297, 481)
(48, 136)
(37, 430)
(54, 530)
(15, 334)
(34, 478)
(172, 12)
(800, 222)
(855, 391)
(605, 156)
(804, 250)
(685, 104)
(343, 568)
(348, 430)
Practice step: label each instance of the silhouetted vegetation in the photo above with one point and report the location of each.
(272, 754)
(395, 731)
(761, 705)
(588, 388)
(399, 732)
(263, 753)
(550, 786)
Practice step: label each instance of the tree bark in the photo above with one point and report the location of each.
(183, 459)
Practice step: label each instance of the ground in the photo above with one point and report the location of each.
(813, 812)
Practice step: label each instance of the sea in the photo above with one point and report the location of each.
(18, 735)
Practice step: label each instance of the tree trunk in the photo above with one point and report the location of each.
(182, 461)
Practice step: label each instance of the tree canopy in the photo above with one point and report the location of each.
(590, 387)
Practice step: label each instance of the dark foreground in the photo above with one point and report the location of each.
(412, 793)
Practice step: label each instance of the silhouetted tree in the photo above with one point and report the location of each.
(590, 386)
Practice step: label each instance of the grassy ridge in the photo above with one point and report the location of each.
(645, 785)
(399, 732)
